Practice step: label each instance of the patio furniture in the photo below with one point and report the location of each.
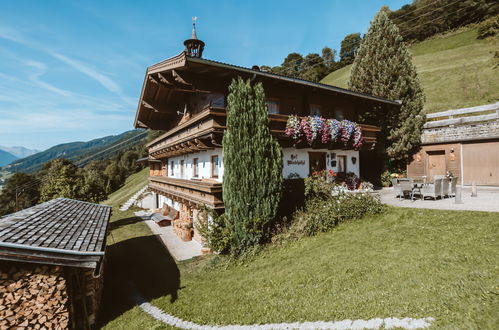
(396, 187)
(445, 188)
(416, 189)
(406, 188)
(165, 220)
(436, 177)
(433, 190)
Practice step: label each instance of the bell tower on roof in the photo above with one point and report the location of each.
(193, 46)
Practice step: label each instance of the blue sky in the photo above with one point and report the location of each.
(72, 70)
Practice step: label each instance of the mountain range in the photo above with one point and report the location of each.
(78, 152)
(9, 154)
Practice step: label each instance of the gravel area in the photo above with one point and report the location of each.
(487, 200)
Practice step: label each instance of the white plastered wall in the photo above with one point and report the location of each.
(296, 161)
(204, 165)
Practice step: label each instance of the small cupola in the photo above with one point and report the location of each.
(193, 46)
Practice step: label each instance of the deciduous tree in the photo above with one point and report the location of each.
(349, 47)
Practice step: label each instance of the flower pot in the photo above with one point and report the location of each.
(186, 235)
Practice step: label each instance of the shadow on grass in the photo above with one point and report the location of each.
(145, 262)
(124, 222)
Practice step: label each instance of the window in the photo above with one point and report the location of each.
(315, 110)
(195, 167)
(272, 106)
(342, 164)
(338, 114)
(171, 169)
(217, 100)
(214, 166)
(182, 169)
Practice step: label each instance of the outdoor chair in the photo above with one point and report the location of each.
(433, 190)
(405, 188)
(445, 188)
(165, 220)
(396, 187)
(453, 184)
(436, 177)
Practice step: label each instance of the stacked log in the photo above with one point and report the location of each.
(33, 297)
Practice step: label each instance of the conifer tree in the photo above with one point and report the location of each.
(252, 165)
(383, 67)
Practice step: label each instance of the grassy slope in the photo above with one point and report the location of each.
(456, 70)
(130, 241)
(405, 263)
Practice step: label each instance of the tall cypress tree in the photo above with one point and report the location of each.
(383, 67)
(252, 165)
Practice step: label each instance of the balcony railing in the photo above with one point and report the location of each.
(188, 191)
(205, 131)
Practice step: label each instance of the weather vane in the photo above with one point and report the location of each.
(194, 19)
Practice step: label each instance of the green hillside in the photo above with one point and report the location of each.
(79, 152)
(403, 263)
(456, 70)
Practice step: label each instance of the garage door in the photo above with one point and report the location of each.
(481, 163)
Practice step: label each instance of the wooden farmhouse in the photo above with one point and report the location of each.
(51, 264)
(186, 96)
(464, 142)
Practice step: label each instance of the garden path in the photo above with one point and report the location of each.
(376, 323)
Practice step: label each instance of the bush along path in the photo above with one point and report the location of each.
(376, 323)
(132, 199)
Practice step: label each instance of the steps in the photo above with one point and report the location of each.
(132, 200)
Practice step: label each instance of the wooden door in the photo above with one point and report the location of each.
(481, 163)
(317, 161)
(436, 164)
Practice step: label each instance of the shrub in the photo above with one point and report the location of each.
(321, 215)
(386, 179)
(488, 28)
(215, 229)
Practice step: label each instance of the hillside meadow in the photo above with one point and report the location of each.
(403, 263)
(456, 70)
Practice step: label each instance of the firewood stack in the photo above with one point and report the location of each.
(33, 297)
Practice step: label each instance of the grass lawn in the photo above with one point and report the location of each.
(456, 70)
(404, 263)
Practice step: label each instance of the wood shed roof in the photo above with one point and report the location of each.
(59, 232)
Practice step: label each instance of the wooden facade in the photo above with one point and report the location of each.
(460, 142)
(186, 96)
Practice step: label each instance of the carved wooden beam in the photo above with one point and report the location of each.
(202, 145)
(193, 146)
(148, 106)
(151, 79)
(179, 78)
(165, 81)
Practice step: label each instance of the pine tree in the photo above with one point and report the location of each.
(252, 165)
(383, 67)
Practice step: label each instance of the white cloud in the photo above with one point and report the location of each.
(41, 70)
(105, 81)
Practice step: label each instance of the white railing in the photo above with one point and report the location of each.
(450, 120)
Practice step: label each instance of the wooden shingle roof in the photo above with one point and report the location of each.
(59, 232)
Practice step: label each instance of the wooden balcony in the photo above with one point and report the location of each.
(189, 192)
(204, 131)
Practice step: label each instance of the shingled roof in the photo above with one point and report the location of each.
(60, 232)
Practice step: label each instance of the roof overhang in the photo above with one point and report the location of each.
(167, 85)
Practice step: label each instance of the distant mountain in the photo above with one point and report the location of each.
(81, 153)
(19, 152)
(6, 158)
